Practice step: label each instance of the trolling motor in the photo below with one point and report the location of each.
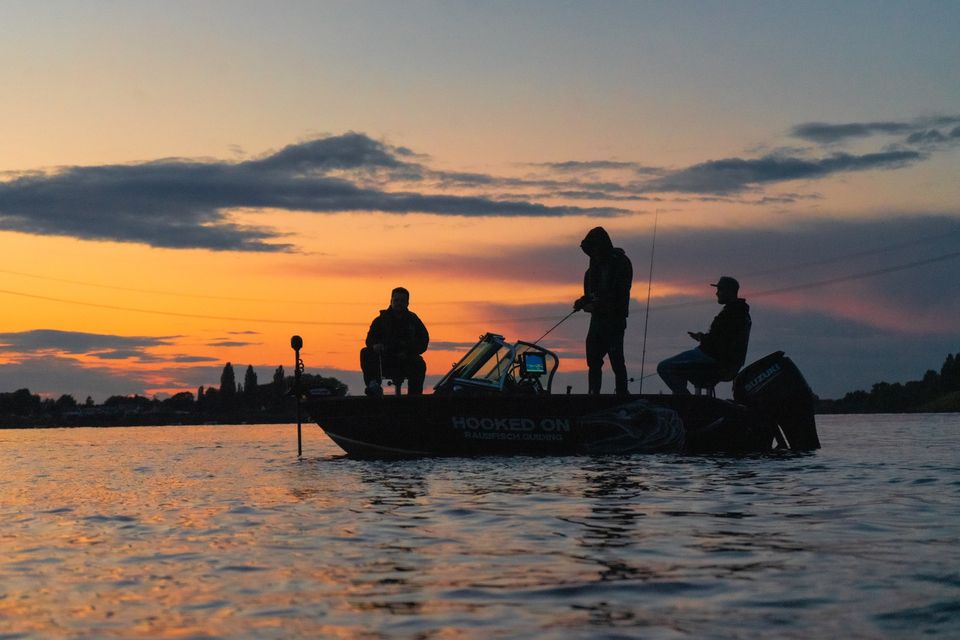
(296, 343)
(774, 386)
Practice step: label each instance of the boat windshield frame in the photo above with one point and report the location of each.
(496, 366)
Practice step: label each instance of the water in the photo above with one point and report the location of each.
(203, 532)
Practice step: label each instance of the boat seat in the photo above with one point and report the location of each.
(706, 383)
(396, 382)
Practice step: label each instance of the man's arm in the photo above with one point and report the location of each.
(422, 335)
(375, 335)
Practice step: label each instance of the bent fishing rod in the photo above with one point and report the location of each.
(564, 319)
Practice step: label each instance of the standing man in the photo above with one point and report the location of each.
(395, 341)
(606, 297)
(722, 349)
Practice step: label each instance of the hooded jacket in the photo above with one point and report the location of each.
(729, 334)
(609, 277)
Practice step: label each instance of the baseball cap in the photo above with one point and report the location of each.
(726, 282)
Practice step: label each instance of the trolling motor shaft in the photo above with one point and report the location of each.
(296, 343)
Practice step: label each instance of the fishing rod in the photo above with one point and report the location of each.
(646, 318)
(537, 341)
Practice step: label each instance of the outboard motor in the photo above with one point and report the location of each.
(774, 386)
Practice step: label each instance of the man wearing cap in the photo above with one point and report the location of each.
(722, 349)
(606, 297)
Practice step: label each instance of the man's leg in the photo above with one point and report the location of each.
(676, 371)
(416, 372)
(369, 365)
(615, 350)
(596, 348)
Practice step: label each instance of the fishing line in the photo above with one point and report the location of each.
(555, 326)
(829, 281)
(851, 254)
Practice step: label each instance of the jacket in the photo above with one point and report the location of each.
(402, 335)
(609, 277)
(729, 335)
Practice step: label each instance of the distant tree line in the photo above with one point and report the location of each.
(249, 402)
(936, 391)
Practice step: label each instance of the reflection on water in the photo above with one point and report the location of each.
(221, 532)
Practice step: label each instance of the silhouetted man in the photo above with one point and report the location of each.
(606, 297)
(722, 349)
(395, 341)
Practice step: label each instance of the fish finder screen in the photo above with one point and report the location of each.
(534, 363)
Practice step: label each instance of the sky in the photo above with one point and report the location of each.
(185, 184)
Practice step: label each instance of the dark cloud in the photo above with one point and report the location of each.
(930, 136)
(72, 342)
(125, 354)
(532, 188)
(178, 203)
(827, 133)
(606, 195)
(191, 359)
(230, 343)
(824, 133)
(348, 151)
(602, 165)
(733, 175)
(54, 376)
(25, 345)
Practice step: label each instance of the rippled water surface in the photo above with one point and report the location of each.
(221, 532)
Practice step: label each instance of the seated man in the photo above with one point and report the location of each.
(722, 350)
(395, 341)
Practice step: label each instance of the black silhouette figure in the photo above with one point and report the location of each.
(606, 297)
(722, 349)
(395, 341)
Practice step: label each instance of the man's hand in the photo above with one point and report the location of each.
(586, 303)
(698, 335)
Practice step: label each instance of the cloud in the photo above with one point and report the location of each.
(348, 151)
(734, 175)
(73, 342)
(185, 359)
(54, 376)
(25, 345)
(827, 133)
(178, 203)
(603, 165)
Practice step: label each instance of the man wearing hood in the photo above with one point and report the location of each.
(722, 349)
(395, 341)
(606, 297)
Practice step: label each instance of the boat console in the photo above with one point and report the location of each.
(496, 367)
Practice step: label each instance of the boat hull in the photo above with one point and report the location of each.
(434, 425)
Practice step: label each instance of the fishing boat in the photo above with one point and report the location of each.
(498, 400)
